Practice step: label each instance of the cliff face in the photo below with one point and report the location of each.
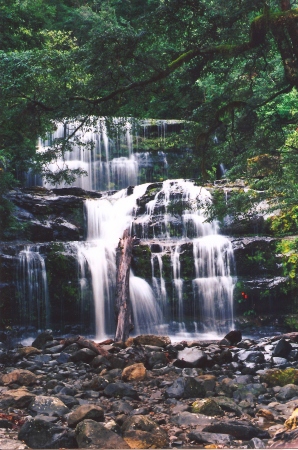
(43, 282)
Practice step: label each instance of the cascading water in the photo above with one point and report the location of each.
(108, 154)
(32, 287)
(107, 218)
(178, 209)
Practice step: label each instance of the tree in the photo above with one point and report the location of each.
(226, 66)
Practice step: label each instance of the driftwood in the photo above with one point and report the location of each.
(122, 301)
(85, 343)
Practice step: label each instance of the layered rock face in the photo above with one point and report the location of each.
(47, 277)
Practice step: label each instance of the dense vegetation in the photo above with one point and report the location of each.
(229, 67)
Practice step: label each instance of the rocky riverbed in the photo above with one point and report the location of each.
(149, 393)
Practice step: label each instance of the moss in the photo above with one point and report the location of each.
(141, 261)
(278, 377)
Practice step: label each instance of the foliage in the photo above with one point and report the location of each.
(229, 69)
(279, 377)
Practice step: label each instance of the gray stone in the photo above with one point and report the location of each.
(38, 433)
(50, 406)
(251, 356)
(202, 437)
(287, 392)
(91, 434)
(84, 355)
(186, 387)
(243, 430)
(83, 412)
(191, 357)
(120, 390)
(190, 419)
(282, 349)
(256, 443)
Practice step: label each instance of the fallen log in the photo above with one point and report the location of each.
(122, 301)
(85, 343)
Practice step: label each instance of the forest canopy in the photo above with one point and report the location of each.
(228, 67)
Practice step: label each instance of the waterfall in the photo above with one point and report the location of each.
(107, 218)
(32, 287)
(106, 151)
(177, 209)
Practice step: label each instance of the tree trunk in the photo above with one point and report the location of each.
(122, 301)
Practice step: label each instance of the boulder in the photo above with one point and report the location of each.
(282, 349)
(141, 432)
(201, 437)
(38, 433)
(19, 376)
(49, 406)
(243, 430)
(233, 337)
(83, 355)
(191, 357)
(287, 392)
(92, 434)
(186, 387)
(135, 372)
(16, 398)
(120, 390)
(83, 412)
(151, 339)
(208, 407)
(42, 339)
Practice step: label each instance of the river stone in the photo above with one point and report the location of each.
(282, 348)
(191, 357)
(83, 355)
(50, 406)
(256, 443)
(186, 387)
(135, 372)
(286, 439)
(251, 356)
(151, 339)
(141, 432)
(17, 398)
(234, 337)
(120, 390)
(227, 404)
(292, 421)
(287, 392)
(83, 412)
(27, 351)
(91, 434)
(243, 430)
(100, 360)
(68, 400)
(42, 339)
(189, 419)
(19, 376)
(208, 382)
(38, 433)
(207, 406)
(121, 407)
(202, 437)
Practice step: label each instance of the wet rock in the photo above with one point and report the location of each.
(233, 337)
(287, 392)
(83, 355)
(91, 434)
(282, 349)
(83, 412)
(256, 443)
(68, 400)
(251, 356)
(156, 358)
(135, 372)
(151, 339)
(121, 407)
(99, 361)
(202, 437)
(38, 433)
(19, 376)
(191, 357)
(28, 351)
(97, 383)
(50, 406)
(189, 419)
(42, 339)
(142, 432)
(16, 398)
(239, 429)
(208, 407)
(228, 405)
(120, 390)
(186, 387)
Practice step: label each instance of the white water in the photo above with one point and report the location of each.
(107, 218)
(32, 287)
(213, 283)
(109, 155)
